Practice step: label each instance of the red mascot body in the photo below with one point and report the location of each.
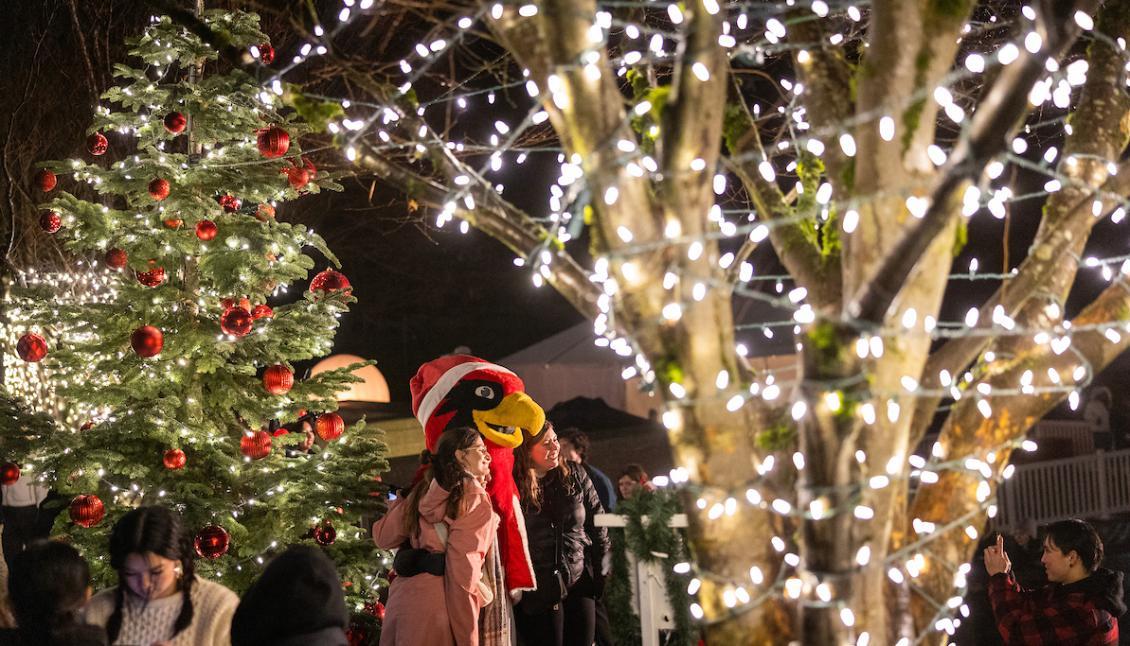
(461, 390)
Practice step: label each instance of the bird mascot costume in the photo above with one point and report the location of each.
(462, 390)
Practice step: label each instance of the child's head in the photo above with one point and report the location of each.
(47, 582)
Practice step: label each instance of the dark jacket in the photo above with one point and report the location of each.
(1085, 612)
(561, 532)
(297, 600)
(603, 485)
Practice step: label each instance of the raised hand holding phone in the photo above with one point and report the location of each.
(996, 560)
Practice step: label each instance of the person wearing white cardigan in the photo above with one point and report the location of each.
(159, 601)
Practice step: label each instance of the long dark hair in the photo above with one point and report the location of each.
(151, 529)
(443, 467)
(47, 585)
(525, 471)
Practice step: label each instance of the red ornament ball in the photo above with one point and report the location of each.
(266, 53)
(50, 222)
(97, 144)
(329, 426)
(236, 321)
(330, 281)
(87, 510)
(236, 302)
(357, 635)
(173, 223)
(206, 230)
(175, 122)
(273, 142)
(278, 379)
(46, 180)
(159, 189)
(174, 459)
(212, 542)
(262, 312)
(9, 473)
(230, 203)
(264, 212)
(31, 347)
(297, 177)
(153, 277)
(376, 609)
(325, 534)
(116, 258)
(309, 166)
(256, 445)
(147, 341)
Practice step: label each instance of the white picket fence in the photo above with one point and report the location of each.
(1088, 486)
(649, 588)
(1079, 433)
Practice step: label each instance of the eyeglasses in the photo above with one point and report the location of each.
(480, 449)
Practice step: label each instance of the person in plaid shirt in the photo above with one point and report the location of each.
(1082, 603)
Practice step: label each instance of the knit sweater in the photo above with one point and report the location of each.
(144, 624)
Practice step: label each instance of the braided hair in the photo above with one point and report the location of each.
(158, 530)
(443, 467)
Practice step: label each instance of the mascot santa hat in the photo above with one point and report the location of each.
(462, 390)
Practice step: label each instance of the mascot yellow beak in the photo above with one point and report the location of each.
(504, 423)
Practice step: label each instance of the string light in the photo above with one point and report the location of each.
(403, 133)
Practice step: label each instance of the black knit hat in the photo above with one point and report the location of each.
(298, 594)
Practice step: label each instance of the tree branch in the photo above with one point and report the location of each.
(968, 433)
(819, 275)
(1101, 130)
(585, 107)
(1032, 276)
(993, 124)
(235, 56)
(497, 218)
(827, 85)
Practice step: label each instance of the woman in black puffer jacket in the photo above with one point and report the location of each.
(570, 554)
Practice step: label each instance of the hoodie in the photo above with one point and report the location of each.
(416, 605)
(297, 600)
(1085, 612)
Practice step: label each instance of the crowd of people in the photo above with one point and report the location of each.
(160, 601)
(444, 531)
(446, 564)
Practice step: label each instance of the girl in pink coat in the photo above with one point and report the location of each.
(436, 600)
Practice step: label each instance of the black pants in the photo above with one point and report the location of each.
(603, 628)
(570, 623)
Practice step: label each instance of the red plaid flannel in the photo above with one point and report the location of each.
(1048, 615)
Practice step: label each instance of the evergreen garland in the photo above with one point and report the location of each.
(652, 541)
(618, 594)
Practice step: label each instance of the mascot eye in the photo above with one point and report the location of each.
(486, 392)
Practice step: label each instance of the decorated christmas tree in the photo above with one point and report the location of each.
(189, 369)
